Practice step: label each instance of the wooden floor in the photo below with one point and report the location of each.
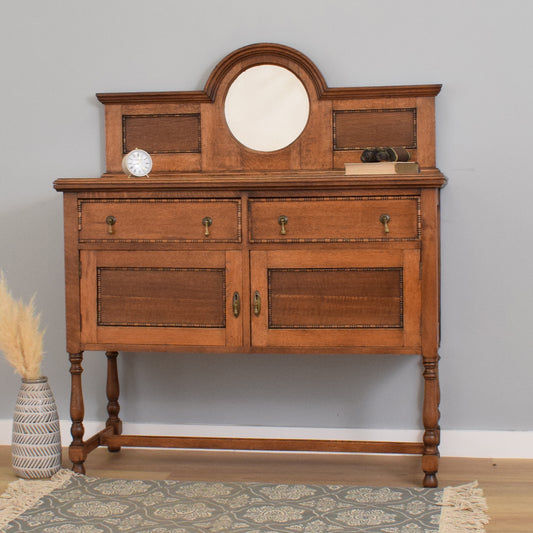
(507, 483)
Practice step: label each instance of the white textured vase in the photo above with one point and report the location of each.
(36, 443)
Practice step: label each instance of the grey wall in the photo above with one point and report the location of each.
(57, 54)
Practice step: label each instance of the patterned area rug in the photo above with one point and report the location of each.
(70, 503)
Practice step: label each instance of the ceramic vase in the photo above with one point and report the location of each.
(36, 443)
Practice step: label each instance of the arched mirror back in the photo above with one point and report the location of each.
(304, 125)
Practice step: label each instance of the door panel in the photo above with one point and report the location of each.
(168, 296)
(160, 297)
(336, 298)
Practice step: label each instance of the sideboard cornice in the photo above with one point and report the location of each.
(427, 178)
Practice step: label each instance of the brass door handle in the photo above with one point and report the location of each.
(207, 221)
(257, 303)
(236, 303)
(110, 221)
(385, 219)
(282, 221)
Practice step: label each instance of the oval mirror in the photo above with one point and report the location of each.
(266, 108)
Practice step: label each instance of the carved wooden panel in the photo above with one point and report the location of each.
(162, 134)
(369, 128)
(335, 298)
(161, 297)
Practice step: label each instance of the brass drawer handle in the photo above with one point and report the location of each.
(385, 219)
(236, 303)
(207, 221)
(257, 303)
(110, 221)
(282, 220)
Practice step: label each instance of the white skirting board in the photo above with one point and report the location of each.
(454, 443)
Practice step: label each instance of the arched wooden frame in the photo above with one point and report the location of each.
(187, 132)
(264, 54)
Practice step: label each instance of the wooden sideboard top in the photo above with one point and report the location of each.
(251, 181)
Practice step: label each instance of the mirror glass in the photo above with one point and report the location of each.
(266, 108)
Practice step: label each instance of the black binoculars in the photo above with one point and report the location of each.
(375, 155)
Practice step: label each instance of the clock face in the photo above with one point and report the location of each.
(137, 163)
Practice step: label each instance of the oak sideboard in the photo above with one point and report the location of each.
(226, 247)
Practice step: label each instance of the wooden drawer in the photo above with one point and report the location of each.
(159, 220)
(335, 219)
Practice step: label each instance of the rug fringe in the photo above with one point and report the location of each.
(24, 494)
(464, 510)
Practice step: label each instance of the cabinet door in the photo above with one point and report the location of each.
(336, 298)
(151, 299)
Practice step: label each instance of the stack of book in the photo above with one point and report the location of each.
(384, 167)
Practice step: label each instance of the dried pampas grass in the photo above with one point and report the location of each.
(21, 340)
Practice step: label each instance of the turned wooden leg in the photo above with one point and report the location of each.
(77, 452)
(113, 390)
(431, 415)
